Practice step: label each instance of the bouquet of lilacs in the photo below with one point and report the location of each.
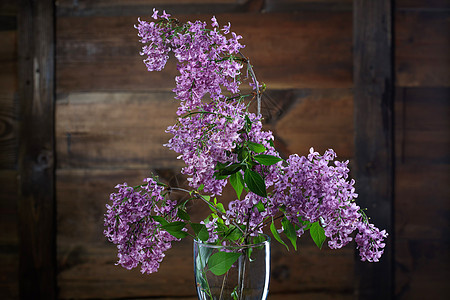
(220, 142)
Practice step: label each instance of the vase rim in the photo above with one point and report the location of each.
(267, 240)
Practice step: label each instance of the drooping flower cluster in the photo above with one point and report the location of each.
(220, 141)
(130, 225)
(207, 60)
(314, 190)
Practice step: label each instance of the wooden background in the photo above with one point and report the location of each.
(103, 118)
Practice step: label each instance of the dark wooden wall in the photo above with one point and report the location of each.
(109, 116)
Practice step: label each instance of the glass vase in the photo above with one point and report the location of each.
(247, 278)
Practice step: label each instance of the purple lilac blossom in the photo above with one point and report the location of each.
(314, 190)
(207, 133)
(129, 225)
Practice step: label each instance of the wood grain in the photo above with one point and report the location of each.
(374, 135)
(420, 192)
(127, 129)
(322, 119)
(36, 202)
(422, 4)
(423, 269)
(422, 123)
(115, 130)
(422, 48)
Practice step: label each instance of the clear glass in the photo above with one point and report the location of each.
(248, 277)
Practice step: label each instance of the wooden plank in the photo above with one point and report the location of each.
(322, 119)
(422, 193)
(422, 4)
(127, 130)
(111, 130)
(9, 242)
(8, 8)
(301, 5)
(422, 126)
(422, 48)
(86, 267)
(423, 269)
(108, 3)
(121, 7)
(373, 98)
(36, 205)
(131, 8)
(106, 59)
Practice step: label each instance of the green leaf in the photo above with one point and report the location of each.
(219, 166)
(200, 231)
(255, 183)
(258, 239)
(276, 235)
(175, 229)
(233, 233)
(267, 160)
(220, 207)
(255, 147)
(234, 294)
(219, 177)
(202, 258)
(260, 206)
(318, 234)
(233, 168)
(237, 182)
(183, 215)
(289, 231)
(160, 220)
(206, 197)
(219, 263)
(242, 154)
(200, 262)
(248, 123)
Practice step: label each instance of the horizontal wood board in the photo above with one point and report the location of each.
(127, 130)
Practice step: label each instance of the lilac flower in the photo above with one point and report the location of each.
(156, 50)
(370, 242)
(211, 226)
(226, 28)
(165, 15)
(213, 129)
(214, 22)
(129, 225)
(155, 14)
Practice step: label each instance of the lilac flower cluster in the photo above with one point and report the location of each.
(219, 139)
(205, 138)
(314, 190)
(207, 60)
(207, 64)
(129, 225)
